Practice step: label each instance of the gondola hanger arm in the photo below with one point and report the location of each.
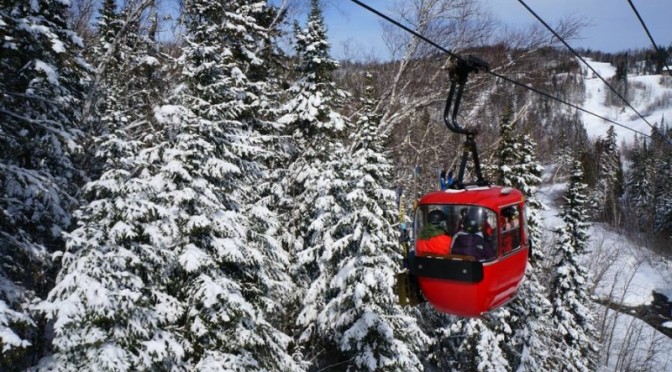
(459, 70)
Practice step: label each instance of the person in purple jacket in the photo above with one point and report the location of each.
(470, 241)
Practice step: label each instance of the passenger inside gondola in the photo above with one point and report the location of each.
(432, 238)
(472, 240)
(510, 222)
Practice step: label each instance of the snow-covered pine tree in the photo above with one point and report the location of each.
(508, 150)
(563, 153)
(108, 26)
(527, 174)
(574, 212)
(315, 186)
(361, 315)
(639, 186)
(264, 202)
(572, 315)
(532, 340)
(480, 349)
(41, 79)
(115, 30)
(530, 343)
(604, 199)
(128, 89)
(663, 192)
(228, 271)
(517, 166)
(109, 108)
(662, 167)
(113, 305)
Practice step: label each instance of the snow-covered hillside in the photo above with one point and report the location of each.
(651, 95)
(626, 275)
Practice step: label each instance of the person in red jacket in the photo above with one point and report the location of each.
(432, 239)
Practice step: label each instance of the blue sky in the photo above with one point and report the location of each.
(613, 25)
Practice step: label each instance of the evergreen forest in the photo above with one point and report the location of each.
(209, 189)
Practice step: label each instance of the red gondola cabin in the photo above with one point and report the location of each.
(470, 248)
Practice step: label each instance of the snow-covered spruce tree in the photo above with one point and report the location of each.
(519, 335)
(517, 166)
(661, 175)
(128, 89)
(227, 271)
(361, 315)
(109, 108)
(527, 174)
(563, 153)
(108, 26)
(639, 186)
(116, 38)
(572, 315)
(663, 192)
(113, 306)
(574, 213)
(265, 201)
(41, 79)
(279, 150)
(508, 150)
(315, 186)
(662, 159)
(480, 349)
(604, 199)
(530, 342)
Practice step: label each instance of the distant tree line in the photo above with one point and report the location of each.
(645, 61)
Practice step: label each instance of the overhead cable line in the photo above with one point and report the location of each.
(655, 46)
(549, 28)
(502, 77)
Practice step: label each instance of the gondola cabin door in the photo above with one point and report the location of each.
(470, 248)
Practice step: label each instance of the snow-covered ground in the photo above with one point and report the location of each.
(633, 345)
(645, 90)
(627, 274)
